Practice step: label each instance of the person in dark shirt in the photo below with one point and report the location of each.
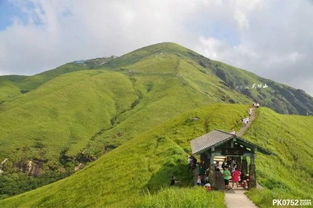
(173, 181)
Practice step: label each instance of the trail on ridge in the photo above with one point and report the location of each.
(237, 198)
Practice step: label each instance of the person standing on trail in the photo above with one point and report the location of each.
(236, 177)
(227, 177)
(250, 112)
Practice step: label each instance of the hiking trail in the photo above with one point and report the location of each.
(243, 130)
(236, 198)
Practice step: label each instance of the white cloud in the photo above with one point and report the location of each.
(272, 38)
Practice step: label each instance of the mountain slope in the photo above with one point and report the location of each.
(146, 162)
(281, 98)
(76, 117)
(121, 177)
(289, 174)
(59, 120)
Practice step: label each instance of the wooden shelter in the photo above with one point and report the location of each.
(220, 143)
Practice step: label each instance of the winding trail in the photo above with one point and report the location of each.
(243, 130)
(236, 198)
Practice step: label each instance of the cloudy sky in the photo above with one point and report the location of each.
(273, 38)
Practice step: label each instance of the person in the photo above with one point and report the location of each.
(227, 177)
(245, 181)
(229, 161)
(189, 161)
(174, 181)
(246, 120)
(192, 162)
(233, 164)
(233, 132)
(236, 177)
(217, 166)
(199, 181)
(224, 164)
(250, 112)
(202, 172)
(208, 187)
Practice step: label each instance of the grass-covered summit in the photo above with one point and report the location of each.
(64, 118)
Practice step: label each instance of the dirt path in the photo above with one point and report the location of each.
(243, 130)
(236, 198)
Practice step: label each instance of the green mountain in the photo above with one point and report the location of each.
(132, 111)
(148, 161)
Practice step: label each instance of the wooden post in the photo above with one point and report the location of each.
(212, 175)
(244, 165)
(252, 173)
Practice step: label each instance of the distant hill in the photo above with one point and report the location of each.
(57, 121)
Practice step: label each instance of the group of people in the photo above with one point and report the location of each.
(231, 172)
(246, 120)
(203, 179)
(257, 105)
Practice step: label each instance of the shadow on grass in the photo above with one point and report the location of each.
(162, 178)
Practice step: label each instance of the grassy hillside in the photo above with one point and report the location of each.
(281, 98)
(289, 174)
(141, 164)
(64, 118)
(76, 117)
(141, 168)
(12, 86)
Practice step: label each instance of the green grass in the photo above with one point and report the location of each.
(80, 111)
(144, 163)
(181, 198)
(68, 117)
(288, 175)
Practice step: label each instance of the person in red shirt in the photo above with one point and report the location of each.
(236, 177)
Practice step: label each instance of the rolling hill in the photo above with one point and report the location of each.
(148, 161)
(62, 119)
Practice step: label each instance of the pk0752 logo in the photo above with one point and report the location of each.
(291, 202)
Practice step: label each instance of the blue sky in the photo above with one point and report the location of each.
(7, 12)
(268, 37)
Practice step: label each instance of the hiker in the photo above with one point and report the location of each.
(233, 132)
(227, 177)
(246, 121)
(236, 177)
(199, 181)
(250, 112)
(217, 166)
(245, 181)
(202, 173)
(233, 163)
(232, 167)
(192, 162)
(173, 181)
(224, 164)
(208, 187)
